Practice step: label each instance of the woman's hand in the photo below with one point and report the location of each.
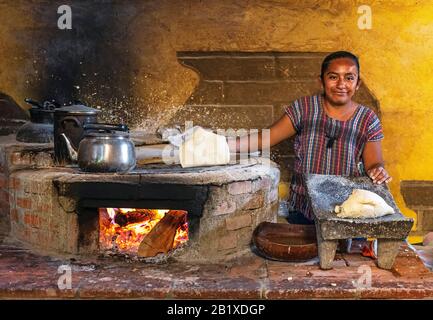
(373, 162)
(379, 175)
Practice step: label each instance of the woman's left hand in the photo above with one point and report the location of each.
(379, 175)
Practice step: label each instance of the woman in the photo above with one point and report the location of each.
(334, 134)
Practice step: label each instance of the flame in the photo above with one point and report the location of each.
(111, 213)
(118, 233)
(181, 235)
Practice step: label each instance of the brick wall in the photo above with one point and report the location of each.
(231, 214)
(27, 211)
(16, 156)
(37, 218)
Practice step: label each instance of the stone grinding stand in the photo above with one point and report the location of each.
(327, 191)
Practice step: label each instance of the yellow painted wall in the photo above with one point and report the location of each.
(396, 57)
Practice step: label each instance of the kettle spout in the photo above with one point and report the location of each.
(73, 154)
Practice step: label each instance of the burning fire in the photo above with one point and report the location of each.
(123, 229)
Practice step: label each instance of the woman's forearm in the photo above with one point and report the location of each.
(246, 144)
(249, 143)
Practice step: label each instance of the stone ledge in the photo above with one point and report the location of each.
(417, 193)
(255, 168)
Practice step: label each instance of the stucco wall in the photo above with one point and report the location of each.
(396, 56)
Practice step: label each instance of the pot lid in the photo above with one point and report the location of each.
(107, 134)
(77, 109)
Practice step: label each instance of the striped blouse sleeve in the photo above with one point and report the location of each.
(294, 112)
(374, 131)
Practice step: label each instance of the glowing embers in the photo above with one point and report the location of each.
(144, 232)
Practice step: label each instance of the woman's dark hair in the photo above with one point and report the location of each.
(338, 55)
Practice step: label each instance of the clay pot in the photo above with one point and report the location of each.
(286, 242)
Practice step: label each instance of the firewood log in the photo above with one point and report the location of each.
(160, 239)
(123, 219)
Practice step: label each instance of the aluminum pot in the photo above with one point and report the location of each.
(69, 120)
(104, 148)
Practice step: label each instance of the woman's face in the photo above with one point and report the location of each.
(340, 81)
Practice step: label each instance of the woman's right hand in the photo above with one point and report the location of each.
(379, 175)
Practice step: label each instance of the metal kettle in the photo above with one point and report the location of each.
(104, 148)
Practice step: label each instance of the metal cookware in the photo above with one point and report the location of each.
(69, 121)
(104, 148)
(40, 128)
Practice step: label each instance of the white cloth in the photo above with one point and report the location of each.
(363, 204)
(200, 147)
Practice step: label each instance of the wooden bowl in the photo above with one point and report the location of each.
(286, 242)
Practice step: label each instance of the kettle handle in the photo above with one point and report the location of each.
(70, 118)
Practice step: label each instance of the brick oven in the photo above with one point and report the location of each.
(57, 209)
